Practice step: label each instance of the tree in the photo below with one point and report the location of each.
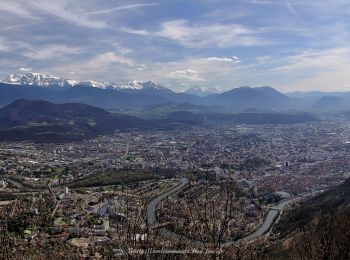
(325, 237)
(211, 214)
(133, 234)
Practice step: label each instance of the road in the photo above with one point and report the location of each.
(269, 220)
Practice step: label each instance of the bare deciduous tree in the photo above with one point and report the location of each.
(326, 237)
(211, 214)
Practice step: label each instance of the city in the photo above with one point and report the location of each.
(55, 189)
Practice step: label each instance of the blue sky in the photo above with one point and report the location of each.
(287, 44)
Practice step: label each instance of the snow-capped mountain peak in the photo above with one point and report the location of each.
(37, 79)
(202, 90)
(45, 80)
(139, 85)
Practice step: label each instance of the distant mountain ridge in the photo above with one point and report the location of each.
(202, 91)
(115, 99)
(136, 94)
(46, 80)
(328, 103)
(246, 98)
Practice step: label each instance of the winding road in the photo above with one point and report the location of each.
(265, 227)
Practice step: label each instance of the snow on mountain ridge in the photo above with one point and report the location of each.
(138, 85)
(42, 80)
(202, 90)
(45, 80)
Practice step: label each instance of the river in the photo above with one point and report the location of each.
(269, 220)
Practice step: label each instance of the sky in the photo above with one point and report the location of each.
(291, 45)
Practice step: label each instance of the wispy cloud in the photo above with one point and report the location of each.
(54, 51)
(328, 59)
(294, 12)
(210, 35)
(279, 2)
(186, 74)
(13, 8)
(106, 66)
(66, 10)
(110, 58)
(119, 8)
(226, 14)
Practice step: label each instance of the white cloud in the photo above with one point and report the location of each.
(54, 51)
(329, 59)
(324, 70)
(210, 35)
(4, 47)
(13, 8)
(133, 31)
(108, 58)
(233, 59)
(186, 74)
(119, 48)
(24, 69)
(336, 80)
(105, 66)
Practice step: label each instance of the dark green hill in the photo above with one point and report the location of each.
(334, 199)
(318, 229)
(44, 121)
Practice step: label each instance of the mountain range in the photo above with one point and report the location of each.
(45, 80)
(138, 96)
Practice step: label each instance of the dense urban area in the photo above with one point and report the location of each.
(200, 190)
